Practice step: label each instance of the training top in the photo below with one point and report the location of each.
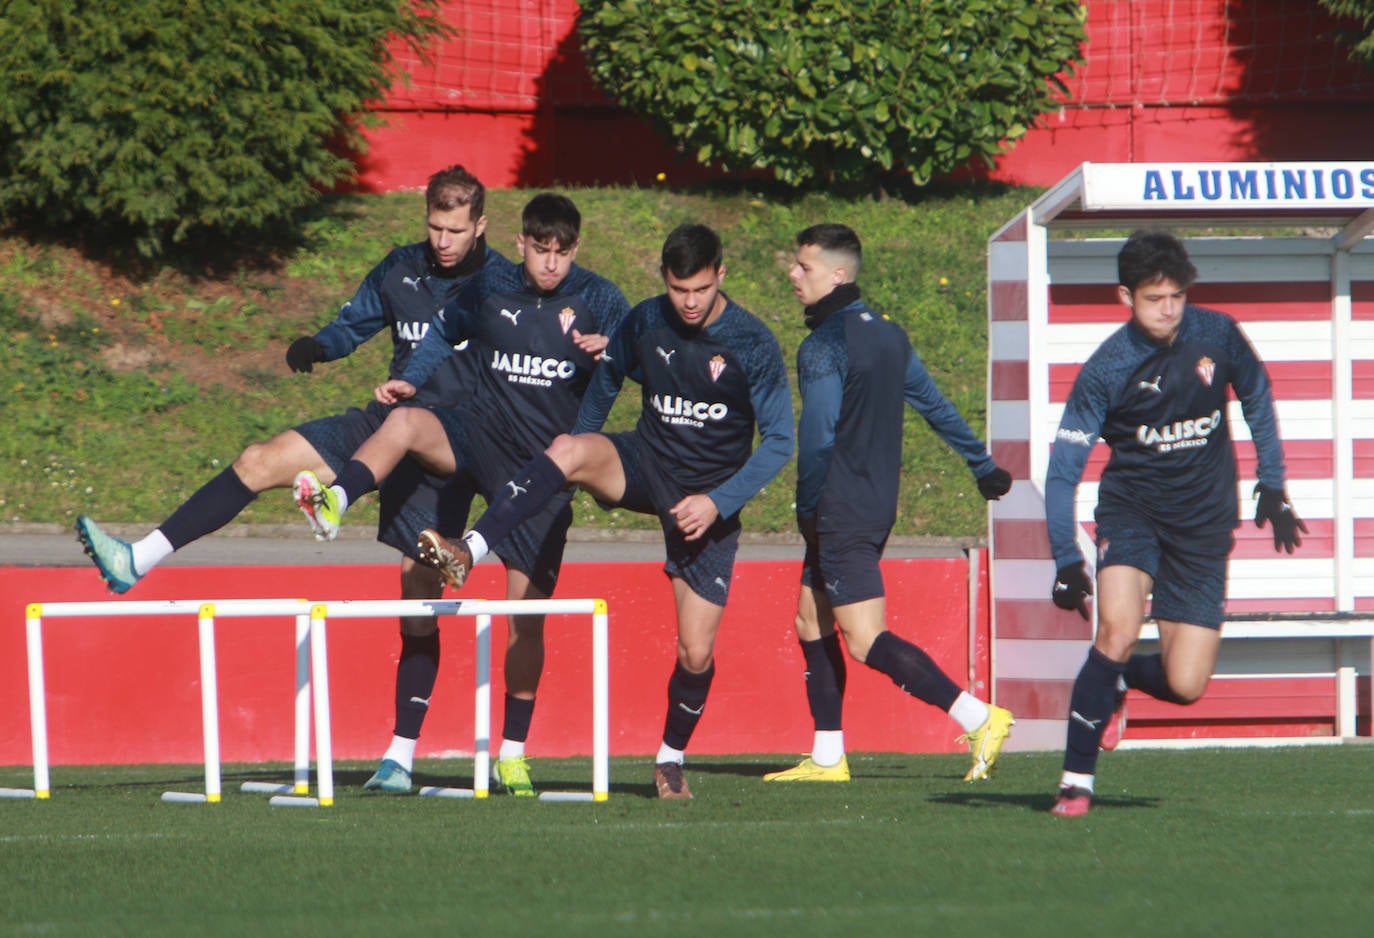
(1162, 409)
(531, 374)
(856, 369)
(404, 293)
(704, 391)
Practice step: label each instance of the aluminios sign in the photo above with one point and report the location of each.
(1228, 185)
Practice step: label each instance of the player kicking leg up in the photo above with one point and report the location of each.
(691, 344)
(613, 469)
(850, 602)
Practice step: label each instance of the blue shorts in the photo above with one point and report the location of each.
(1189, 568)
(411, 499)
(707, 564)
(535, 548)
(846, 564)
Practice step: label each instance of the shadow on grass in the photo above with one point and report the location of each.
(741, 769)
(1034, 801)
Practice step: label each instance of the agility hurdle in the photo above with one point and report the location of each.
(312, 657)
(482, 611)
(205, 610)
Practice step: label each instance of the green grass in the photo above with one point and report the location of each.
(113, 377)
(1241, 842)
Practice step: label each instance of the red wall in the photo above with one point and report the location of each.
(1161, 80)
(126, 689)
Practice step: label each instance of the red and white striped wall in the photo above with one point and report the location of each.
(1305, 297)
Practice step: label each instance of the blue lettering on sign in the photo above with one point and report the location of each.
(1154, 186)
(1311, 184)
(1211, 184)
(1181, 192)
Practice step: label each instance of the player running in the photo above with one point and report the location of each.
(855, 370)
(710, 373)
(536, 329)
(1156, 392)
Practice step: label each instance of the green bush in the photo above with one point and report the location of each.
(1361, 39)
(834, 91)
(160, 120)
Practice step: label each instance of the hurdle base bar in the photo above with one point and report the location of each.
(188, 797)
(20, 793)
(293, 801)
(437, 791)
(270, 788)
(566, 796)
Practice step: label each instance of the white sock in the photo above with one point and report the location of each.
(402, 751)
(477, 546)
(1076, 780)
(343, 499)
(511, 749)
(151, 551)
(667, 753)
(828, 747)
(969, 712)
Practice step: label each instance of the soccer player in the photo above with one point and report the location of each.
(710, 373)
(1156, 392)
(535, 329)
(401, 295)
(855, 369)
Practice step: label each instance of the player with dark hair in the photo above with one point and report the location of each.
(536, 330)
(710, 373)
(1156, 392)
(856, 370)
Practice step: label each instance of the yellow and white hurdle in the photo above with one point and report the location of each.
(311, 657)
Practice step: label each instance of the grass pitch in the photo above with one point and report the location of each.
(1240, 842)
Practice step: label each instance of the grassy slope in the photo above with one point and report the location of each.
(123, 393)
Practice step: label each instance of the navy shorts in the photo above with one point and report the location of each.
(707, 564)
(1189, 568)
(535, 548)
(411, 499)
(845, 563)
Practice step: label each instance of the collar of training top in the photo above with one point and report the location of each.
(838, 298)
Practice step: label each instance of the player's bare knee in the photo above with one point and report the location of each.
(419, 581)
(564, 451)
(527, 629)
(695, 660)
(256, 467)
(1187, 691)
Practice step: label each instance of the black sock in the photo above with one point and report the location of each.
(1146, 674)
(1090, 706)
(210, 508)
(912, 670)
(825, 679)
(686, 700)
(415, 674)
(534, 485)
(515, 726)
(356, 480)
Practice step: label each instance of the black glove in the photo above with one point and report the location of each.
(1072, 588)
(303, 353)
(995, 484)
(1275, 508)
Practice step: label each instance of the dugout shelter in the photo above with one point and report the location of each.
(1284, 248)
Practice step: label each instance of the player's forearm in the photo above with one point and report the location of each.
(758, 470)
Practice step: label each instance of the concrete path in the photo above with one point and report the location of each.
(50, 545)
